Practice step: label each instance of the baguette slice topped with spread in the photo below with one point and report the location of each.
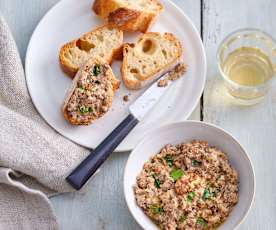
(129, 15)
(151, 56)
(91, 93)
(103, 41)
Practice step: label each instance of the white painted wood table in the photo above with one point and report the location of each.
(103, 206)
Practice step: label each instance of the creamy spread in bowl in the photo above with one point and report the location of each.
(187, 186)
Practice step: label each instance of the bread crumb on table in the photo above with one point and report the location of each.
(126, 98)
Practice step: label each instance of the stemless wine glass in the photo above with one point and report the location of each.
(247, 63)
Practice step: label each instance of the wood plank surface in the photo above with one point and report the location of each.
(254, 126)
(102, 206)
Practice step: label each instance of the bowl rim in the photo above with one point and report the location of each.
(203, 124)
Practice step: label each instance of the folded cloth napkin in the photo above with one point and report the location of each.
(34, 159)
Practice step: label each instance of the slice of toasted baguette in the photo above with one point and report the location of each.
(147, 59)
(103, 41)
(129, 15)
(91, 93)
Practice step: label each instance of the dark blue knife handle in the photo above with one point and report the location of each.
(97, 157)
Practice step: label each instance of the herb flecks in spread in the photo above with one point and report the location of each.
(169, 160)
(85, 109)
(156, 209)
(92, 95)
(157, 182)
(176, 174)
(187, 186)
(190, 196)
(97, 70)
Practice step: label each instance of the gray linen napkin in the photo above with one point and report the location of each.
(34, 159)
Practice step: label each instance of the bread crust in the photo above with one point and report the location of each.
(115, 83)
(96, 7)
(136, 83)
(66, 67)
(126, 18)
(104, 7)
(71, 70)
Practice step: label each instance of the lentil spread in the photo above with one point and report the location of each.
(92, 96)
(187, 186)
(173, 74)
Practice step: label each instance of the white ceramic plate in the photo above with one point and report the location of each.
(185, 132)
(47, 84)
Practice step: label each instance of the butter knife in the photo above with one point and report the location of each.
(137, 111)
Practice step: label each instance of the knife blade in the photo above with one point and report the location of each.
(138, 110)
(149, 98)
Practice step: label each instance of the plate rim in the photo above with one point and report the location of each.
(129, 148)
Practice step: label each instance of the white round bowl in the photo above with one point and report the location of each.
(185, 132)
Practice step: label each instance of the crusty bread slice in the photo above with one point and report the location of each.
(129, 15)
(103, 41)
(91, 93)
(147, 59)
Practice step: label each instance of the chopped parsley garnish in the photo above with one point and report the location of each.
(169, 160)
(81, 89)
(196, 163)
(85, 109)
(201, 221)
(176, 174)
(96, 70)
(156, 209)
(183, 218)
(191, 196)
(207, 194)
(157, 182)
